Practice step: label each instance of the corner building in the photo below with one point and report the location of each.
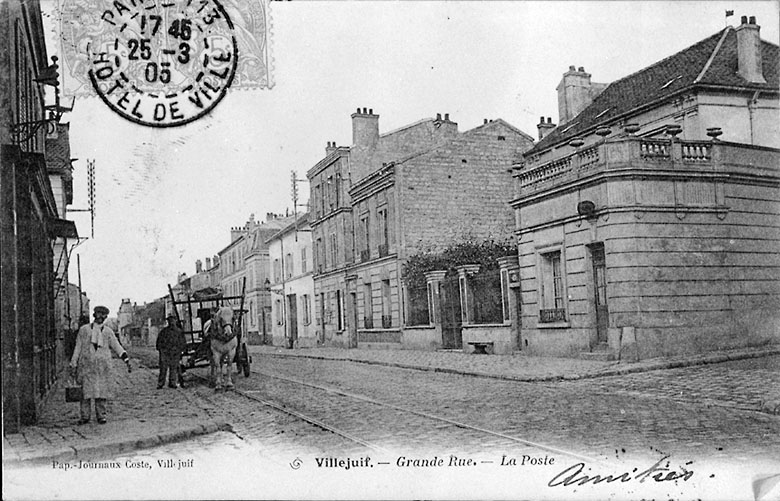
(419, 188)
(648, 220)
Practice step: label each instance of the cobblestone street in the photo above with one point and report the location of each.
(699, 418)
(628, 414)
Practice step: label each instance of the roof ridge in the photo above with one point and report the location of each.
(506, 124)
(667, 58)
(715, 51)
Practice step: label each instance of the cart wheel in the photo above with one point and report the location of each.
(245, 358)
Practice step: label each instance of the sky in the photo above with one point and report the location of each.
(167, 197)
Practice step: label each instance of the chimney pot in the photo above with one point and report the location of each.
(484, 120)
(744, 19)
(370, 111)
(581, 69)
(572, 68)
(438, 117)
(365, 111)
(752, 20)
(358, 110)
(544, 127)
(446, 116)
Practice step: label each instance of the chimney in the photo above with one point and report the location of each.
(198, 266)
(545, 127)
(445, 126)
(208, 263)
(330, 148)
(749, 51)
(365, 129)
(575, 93)
(216, 260)
(365, 140)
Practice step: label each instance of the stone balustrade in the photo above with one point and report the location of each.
(642, 153)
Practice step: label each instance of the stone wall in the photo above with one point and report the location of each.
(691, 263)
(460, 191)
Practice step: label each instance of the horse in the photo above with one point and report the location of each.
(223, 342)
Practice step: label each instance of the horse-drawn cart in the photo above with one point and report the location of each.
(193, 314)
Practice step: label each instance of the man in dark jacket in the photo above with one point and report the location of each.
(171, 344)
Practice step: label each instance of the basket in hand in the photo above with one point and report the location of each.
(73, 391)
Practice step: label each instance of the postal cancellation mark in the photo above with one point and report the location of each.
(162, 63)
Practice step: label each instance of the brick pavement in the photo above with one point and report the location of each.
(139, 416)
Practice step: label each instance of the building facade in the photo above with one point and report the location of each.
(31, 219)
(292, 286)
(245, 261)
(647, 220)
(419, 188)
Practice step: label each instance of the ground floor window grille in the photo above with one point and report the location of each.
(486, 298)
(552, 307)
(418, 305)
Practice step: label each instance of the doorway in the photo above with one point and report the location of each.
(352, 325)
(600, 291)
(292, 320)
(451, 320)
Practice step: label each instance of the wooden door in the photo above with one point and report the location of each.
(451, 321)
(600, 291)
(292, 320)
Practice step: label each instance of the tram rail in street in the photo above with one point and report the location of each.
(425, 416)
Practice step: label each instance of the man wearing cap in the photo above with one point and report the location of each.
(91, 364)
(171, 344)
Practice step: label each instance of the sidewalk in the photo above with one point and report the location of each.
(516, 367)
(139, 416)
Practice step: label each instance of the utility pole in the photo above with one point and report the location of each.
(294, 180)
(81, 294)
(91, 194)
(91, 175)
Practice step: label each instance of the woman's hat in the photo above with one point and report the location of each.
(101, 309)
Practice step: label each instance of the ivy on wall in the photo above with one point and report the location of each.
(485, 254)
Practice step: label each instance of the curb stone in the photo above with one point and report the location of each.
(671, 364)
(70, 453)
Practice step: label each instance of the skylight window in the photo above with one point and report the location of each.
(670, 82)
(564, 131)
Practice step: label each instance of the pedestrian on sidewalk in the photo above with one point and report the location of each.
(91, 364)
(171, 344)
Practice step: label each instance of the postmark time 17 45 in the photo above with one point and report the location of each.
(163, 63)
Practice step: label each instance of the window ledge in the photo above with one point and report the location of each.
(423, 326)
(504, 324)
(553, 325)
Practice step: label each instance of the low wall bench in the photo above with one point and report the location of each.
(481, 347)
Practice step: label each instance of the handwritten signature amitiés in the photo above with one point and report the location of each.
(573, 475)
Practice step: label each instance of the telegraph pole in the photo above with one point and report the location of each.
(91, 194)
(294, 193)
(81, 295)
(91, 175)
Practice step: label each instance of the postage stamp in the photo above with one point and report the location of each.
(163, 63)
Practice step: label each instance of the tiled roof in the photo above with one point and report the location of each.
(664, 79)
